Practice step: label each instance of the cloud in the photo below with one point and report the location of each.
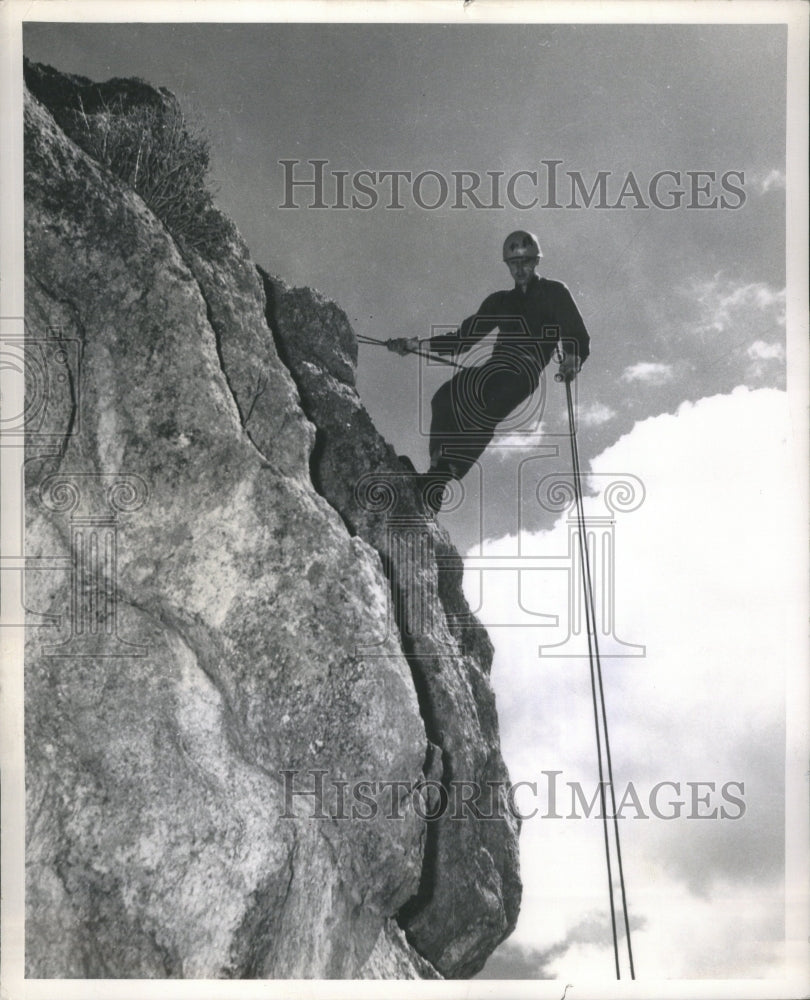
(518, 961)
(764, 357)
(595, 414)
(733, 331)
(504, 443)
(762, 351)
(773, 181)
(708, 580)
(651, 372)
(728, 305)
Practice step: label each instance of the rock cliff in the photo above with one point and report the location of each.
(247, 614)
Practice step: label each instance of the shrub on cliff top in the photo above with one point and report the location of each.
(157, 152)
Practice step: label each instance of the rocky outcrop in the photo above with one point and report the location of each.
(471, 870)
(233, 615)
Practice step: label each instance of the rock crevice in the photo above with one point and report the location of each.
(354, 468)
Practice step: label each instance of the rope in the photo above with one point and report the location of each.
(596, 682)
(422, 354)
(595, 668)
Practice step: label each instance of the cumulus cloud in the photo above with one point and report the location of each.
(762, 351)
(651, 372)
(707, 579)
(595, 414)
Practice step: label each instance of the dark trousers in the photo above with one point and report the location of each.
(466, 410)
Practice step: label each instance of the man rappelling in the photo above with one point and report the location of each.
(535, 319)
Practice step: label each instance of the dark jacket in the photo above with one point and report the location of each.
(543, 314)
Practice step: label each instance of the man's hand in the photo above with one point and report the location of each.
(403, 345)
(569, 367)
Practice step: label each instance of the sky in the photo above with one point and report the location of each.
(684, 392)
(705, 703)
(679, 303)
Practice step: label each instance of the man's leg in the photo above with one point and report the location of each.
(466, 412)
(456, 438)
(443, 423)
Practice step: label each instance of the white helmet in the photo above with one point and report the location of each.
(521, 245)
